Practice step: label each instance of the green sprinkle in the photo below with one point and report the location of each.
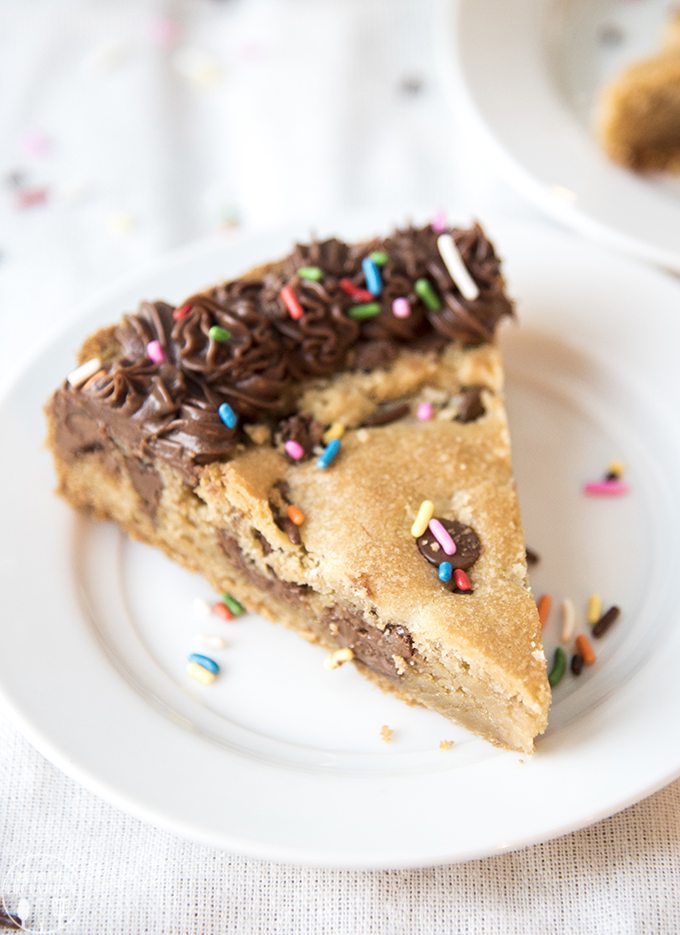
(314, 273)
(425, 291)
(559, 667)
(379, 257)
(369, 310)
(219, 334)
(234, 606)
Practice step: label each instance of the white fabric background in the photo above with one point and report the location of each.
(261, 110)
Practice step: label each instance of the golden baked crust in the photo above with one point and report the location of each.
(639, 118)
(474, 657)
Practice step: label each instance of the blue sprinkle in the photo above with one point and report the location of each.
(330, 453)
(372, 275)
(205, 661)
(228, 416)
(445, 571)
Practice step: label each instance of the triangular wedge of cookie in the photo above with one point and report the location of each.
(326, 439)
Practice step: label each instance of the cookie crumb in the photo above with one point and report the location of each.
(258, 434)
(386, 734)
(446, 744)
(339, 658)
(399, 664)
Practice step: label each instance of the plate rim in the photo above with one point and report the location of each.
(260, 849)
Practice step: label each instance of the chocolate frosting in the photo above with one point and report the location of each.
(170, 409)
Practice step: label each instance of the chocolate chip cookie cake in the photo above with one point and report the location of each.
(326, 438)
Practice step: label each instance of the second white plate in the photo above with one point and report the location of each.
(532, 70)
(283, 759)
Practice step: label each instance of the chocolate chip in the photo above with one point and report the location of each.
(471, 406)
(292, 531)
(533, 558)
(468, 546)
(303, 429)
(383, 415)
(372, 355)
(577, 663)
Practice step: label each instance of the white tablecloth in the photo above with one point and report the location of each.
(136, 126)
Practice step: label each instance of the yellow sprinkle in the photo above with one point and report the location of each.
(197, 672)
(339, 658)
(337, 430)
(386, 733)
(594, 611)
(445, 744)
(423, 517)
(615, 467)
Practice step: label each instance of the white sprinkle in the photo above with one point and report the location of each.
(83, 373)
(209, 641)
(568, 620)
(453, 261)
(202, 607)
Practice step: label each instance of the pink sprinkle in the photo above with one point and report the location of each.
(294, 449)
(606, 488)
(424, 413)
(401, 308)
(155, 352)
(165, 32)
(442, 537)
(439, 222)
(30, 197)
(36, 143)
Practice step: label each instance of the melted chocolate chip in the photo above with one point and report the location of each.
(148, 484)
(303, 429)
(292, 531)
(383, 415)
(371, 355)
(471, 406)
(372, 646)
(468, 546)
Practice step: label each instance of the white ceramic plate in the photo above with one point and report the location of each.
(532, 70)
(283, 759)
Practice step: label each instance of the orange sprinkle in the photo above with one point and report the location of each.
(543, 606)
(585, 649)
(295, 515)
(222, 611)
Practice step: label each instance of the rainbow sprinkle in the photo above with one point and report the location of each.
(294, 449)
(442, 536)
(330, 453)
(228, 416)
(155, 352)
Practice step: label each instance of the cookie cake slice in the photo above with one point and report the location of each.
(326, 438)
